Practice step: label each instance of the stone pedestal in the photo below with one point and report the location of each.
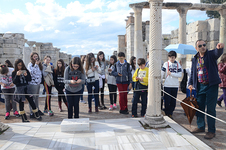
(153, 116)
(223, 27)
(71, 125)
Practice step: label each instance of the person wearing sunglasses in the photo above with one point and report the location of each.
(205, 79)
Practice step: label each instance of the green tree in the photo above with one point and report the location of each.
(213, 14)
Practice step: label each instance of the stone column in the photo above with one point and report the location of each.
(25, 53)
(154, 117)
(182, 24)
(38, 50)
(138, 41)
(121, 44)
(57, 55)
(31, 43)
(222, 38)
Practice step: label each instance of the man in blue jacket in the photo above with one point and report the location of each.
(205, 79)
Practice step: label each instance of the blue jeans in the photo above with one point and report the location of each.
(73, 102)
(170, 103)
(207, 96)
(83, 86)
(137, 95)
(96, 91)
(192, 93)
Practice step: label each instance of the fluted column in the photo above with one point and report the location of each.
(138, 41)
(222, 38)
(182, 24)
(154, 117)
(38, 50)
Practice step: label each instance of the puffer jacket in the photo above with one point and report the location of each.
(222, 74)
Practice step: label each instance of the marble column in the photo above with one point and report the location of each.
(138, 41)
(222, 38)
(121, 44)
(26, 53)
(182, 24)
(57, 54)
(154, 117)
(38, 50)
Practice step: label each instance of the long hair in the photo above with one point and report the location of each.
(60, 71)
(88, 61)
(34, 61)
(115, 60)
(76, 60)
(9, 63)
(132, 63)
(223, 58)
(83, 59)
(98, 59)
(17, 62)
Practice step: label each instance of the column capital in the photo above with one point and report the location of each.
(137, 8)
(222, 12)
(182, 10)
(30, 43)
(38, 44)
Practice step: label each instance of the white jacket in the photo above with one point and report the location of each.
(176, 72)
(95, 73)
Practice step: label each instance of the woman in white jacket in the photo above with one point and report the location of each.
(92, 70)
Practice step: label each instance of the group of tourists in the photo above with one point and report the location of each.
(19, 82)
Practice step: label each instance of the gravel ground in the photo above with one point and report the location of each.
(218, 142)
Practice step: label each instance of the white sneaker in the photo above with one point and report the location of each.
(82, 101)
(93, 99)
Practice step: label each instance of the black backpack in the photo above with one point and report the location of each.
(183, 84)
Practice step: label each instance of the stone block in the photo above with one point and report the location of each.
(10, 45)
(201, 26)
(12, 51)
(204, 35)
(70, 125)
(198, 35)
(214, 24)
(212, 45)
(213, 36)
(8, 41)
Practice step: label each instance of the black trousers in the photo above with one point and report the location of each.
(113, 96)
(31, 102)
(61, 94)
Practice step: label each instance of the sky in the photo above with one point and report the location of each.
(78, 27)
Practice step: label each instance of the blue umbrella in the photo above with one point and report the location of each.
(181, 49)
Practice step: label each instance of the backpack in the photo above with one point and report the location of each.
(183, 84)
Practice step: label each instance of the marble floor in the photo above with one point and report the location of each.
(111, 134)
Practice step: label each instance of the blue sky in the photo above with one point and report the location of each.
(80, 26)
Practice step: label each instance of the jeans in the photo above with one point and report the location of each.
(34, 90)
(207, 96)
(122, 88)
(83, 88)
(193, 93)
(73, 102)
(223, 96)
(137, 95)
(96, 93)
(170, 103)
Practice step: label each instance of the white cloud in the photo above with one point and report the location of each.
(57, 31)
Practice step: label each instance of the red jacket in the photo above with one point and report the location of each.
(222, 74)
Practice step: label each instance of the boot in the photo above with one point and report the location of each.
(23, 116)
(96, 109)
(90, 110)
(60, 106)
(36, 114)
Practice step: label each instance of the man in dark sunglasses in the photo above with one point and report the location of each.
(205, 79)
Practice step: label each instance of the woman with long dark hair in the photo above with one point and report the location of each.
(102, 77)
(74, 77)
(59, 83)
(35, 68)
(8, 63)
(21, 76)
(92, 69)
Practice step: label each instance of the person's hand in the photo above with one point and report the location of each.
(79, 81)
(190, 87)
(97, 66)
(130, 86)
(220, 45)
(19, 72)
(168, 73)
(4, 85)
(11, 85)
(106, 80)
(93, 69)
(25, 74)
(73, 81)
(37, 62)
(137, 78)
(141, 79)
(119, 74)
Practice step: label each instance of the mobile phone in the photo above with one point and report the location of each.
(95, 67)
(23, 71)
(37, 59)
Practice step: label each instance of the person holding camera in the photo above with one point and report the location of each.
(21, 76)
(74, 78)
(92, 70)
(35, 68)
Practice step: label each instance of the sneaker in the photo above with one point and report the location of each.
(50, 113)
(111, 107)
(209, 135)
(197, 130)
(16, 114)
(170, 116)
(40, 113)
(32, 116)
(124, 112)
(114, 106)
(7, 115)
(60, 109)
(45, 111)
(82, 101)
(219, 103)
(104, 107)
(134, 116)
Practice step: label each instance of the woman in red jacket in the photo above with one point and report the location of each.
(222, 73)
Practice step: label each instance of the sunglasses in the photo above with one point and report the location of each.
(204, 45)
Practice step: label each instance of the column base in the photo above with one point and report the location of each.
(154, 122)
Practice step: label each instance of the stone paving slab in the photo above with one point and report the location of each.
(115, 134)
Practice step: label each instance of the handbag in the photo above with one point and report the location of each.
(48, 79)
(138, 85)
